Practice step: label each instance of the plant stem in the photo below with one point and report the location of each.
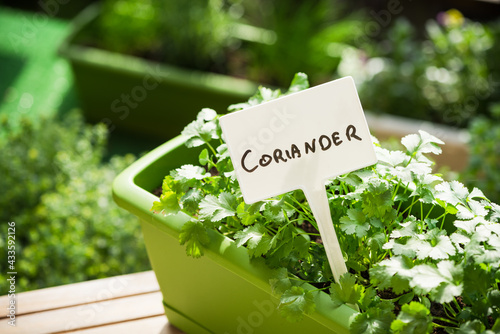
(408, 208)
(211, 148)
(442, 222)
(445, 320)
(428, 213)
(396, 191)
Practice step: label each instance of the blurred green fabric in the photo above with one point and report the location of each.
(34, 81)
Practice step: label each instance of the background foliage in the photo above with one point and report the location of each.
(57, 189)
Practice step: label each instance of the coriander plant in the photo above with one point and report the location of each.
(423, 254)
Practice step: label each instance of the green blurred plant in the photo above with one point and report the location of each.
(484, 158)
(444, 78)
(188, 33)
(213, 34)
(309, 35)
(56, 189)
(130, 26)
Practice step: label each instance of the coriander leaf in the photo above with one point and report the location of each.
(419, 169)
(206, 114)
(469, 226)
(377, 200)
(472, 209)
(368, 297)
(168, 203)
(346, 291)
(425, 277)
(191, 199)
(216, 209)
(414, 318)
(295, 302)
(257, 240)
(354, 223)
(477, 280)
(189, 172)
(262, 247)
(202, 130)
(376, 241)
(404, 247)
(301, 246)
(406, 298)
(476, 193)
(408, 228)
(471, 327)
(194, 235)
(222, 152)
(421, 143)
(280, 283)
(453, 285)
(284, 246)
(391, 158)
(452, 192)
(245, 214)
(437, 245)
(443, 282)
(374, 321)
(263, 95)
(204, 157)
(392, 273)
(299, 82)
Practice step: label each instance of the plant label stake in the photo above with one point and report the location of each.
(298, 142)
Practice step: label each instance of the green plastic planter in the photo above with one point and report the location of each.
(223, 291)
(135, 95)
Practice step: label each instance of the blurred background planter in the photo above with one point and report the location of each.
(222, 291)
(140, 96)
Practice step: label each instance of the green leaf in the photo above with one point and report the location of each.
(194, 235)
(452, 192)
(377, 200)
(406, 298)
(408, 228)
(216, 209)
(168, 203)
(204, 157)
(394, 273)
(443, 282)
(346, 291)
(421, 143)
(257, 239)
(368, 298)
(280, 281)
(202, 130)
(191, 199)
(414, 318)
(496, 326)
(391, 158)
(246, 215)
(295, 302)
(206, 114)
(376, 320)
(263, 95)
(437, 245)
(189, 172)
(354, 223)
(471, 327)
(299, 82)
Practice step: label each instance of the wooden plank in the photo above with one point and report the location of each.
(88, 315)
(153, 325)
(81, 293)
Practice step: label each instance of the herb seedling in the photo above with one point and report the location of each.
(423, 255)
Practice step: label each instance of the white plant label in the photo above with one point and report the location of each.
(299, 141)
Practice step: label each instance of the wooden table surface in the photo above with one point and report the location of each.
(121, 304)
